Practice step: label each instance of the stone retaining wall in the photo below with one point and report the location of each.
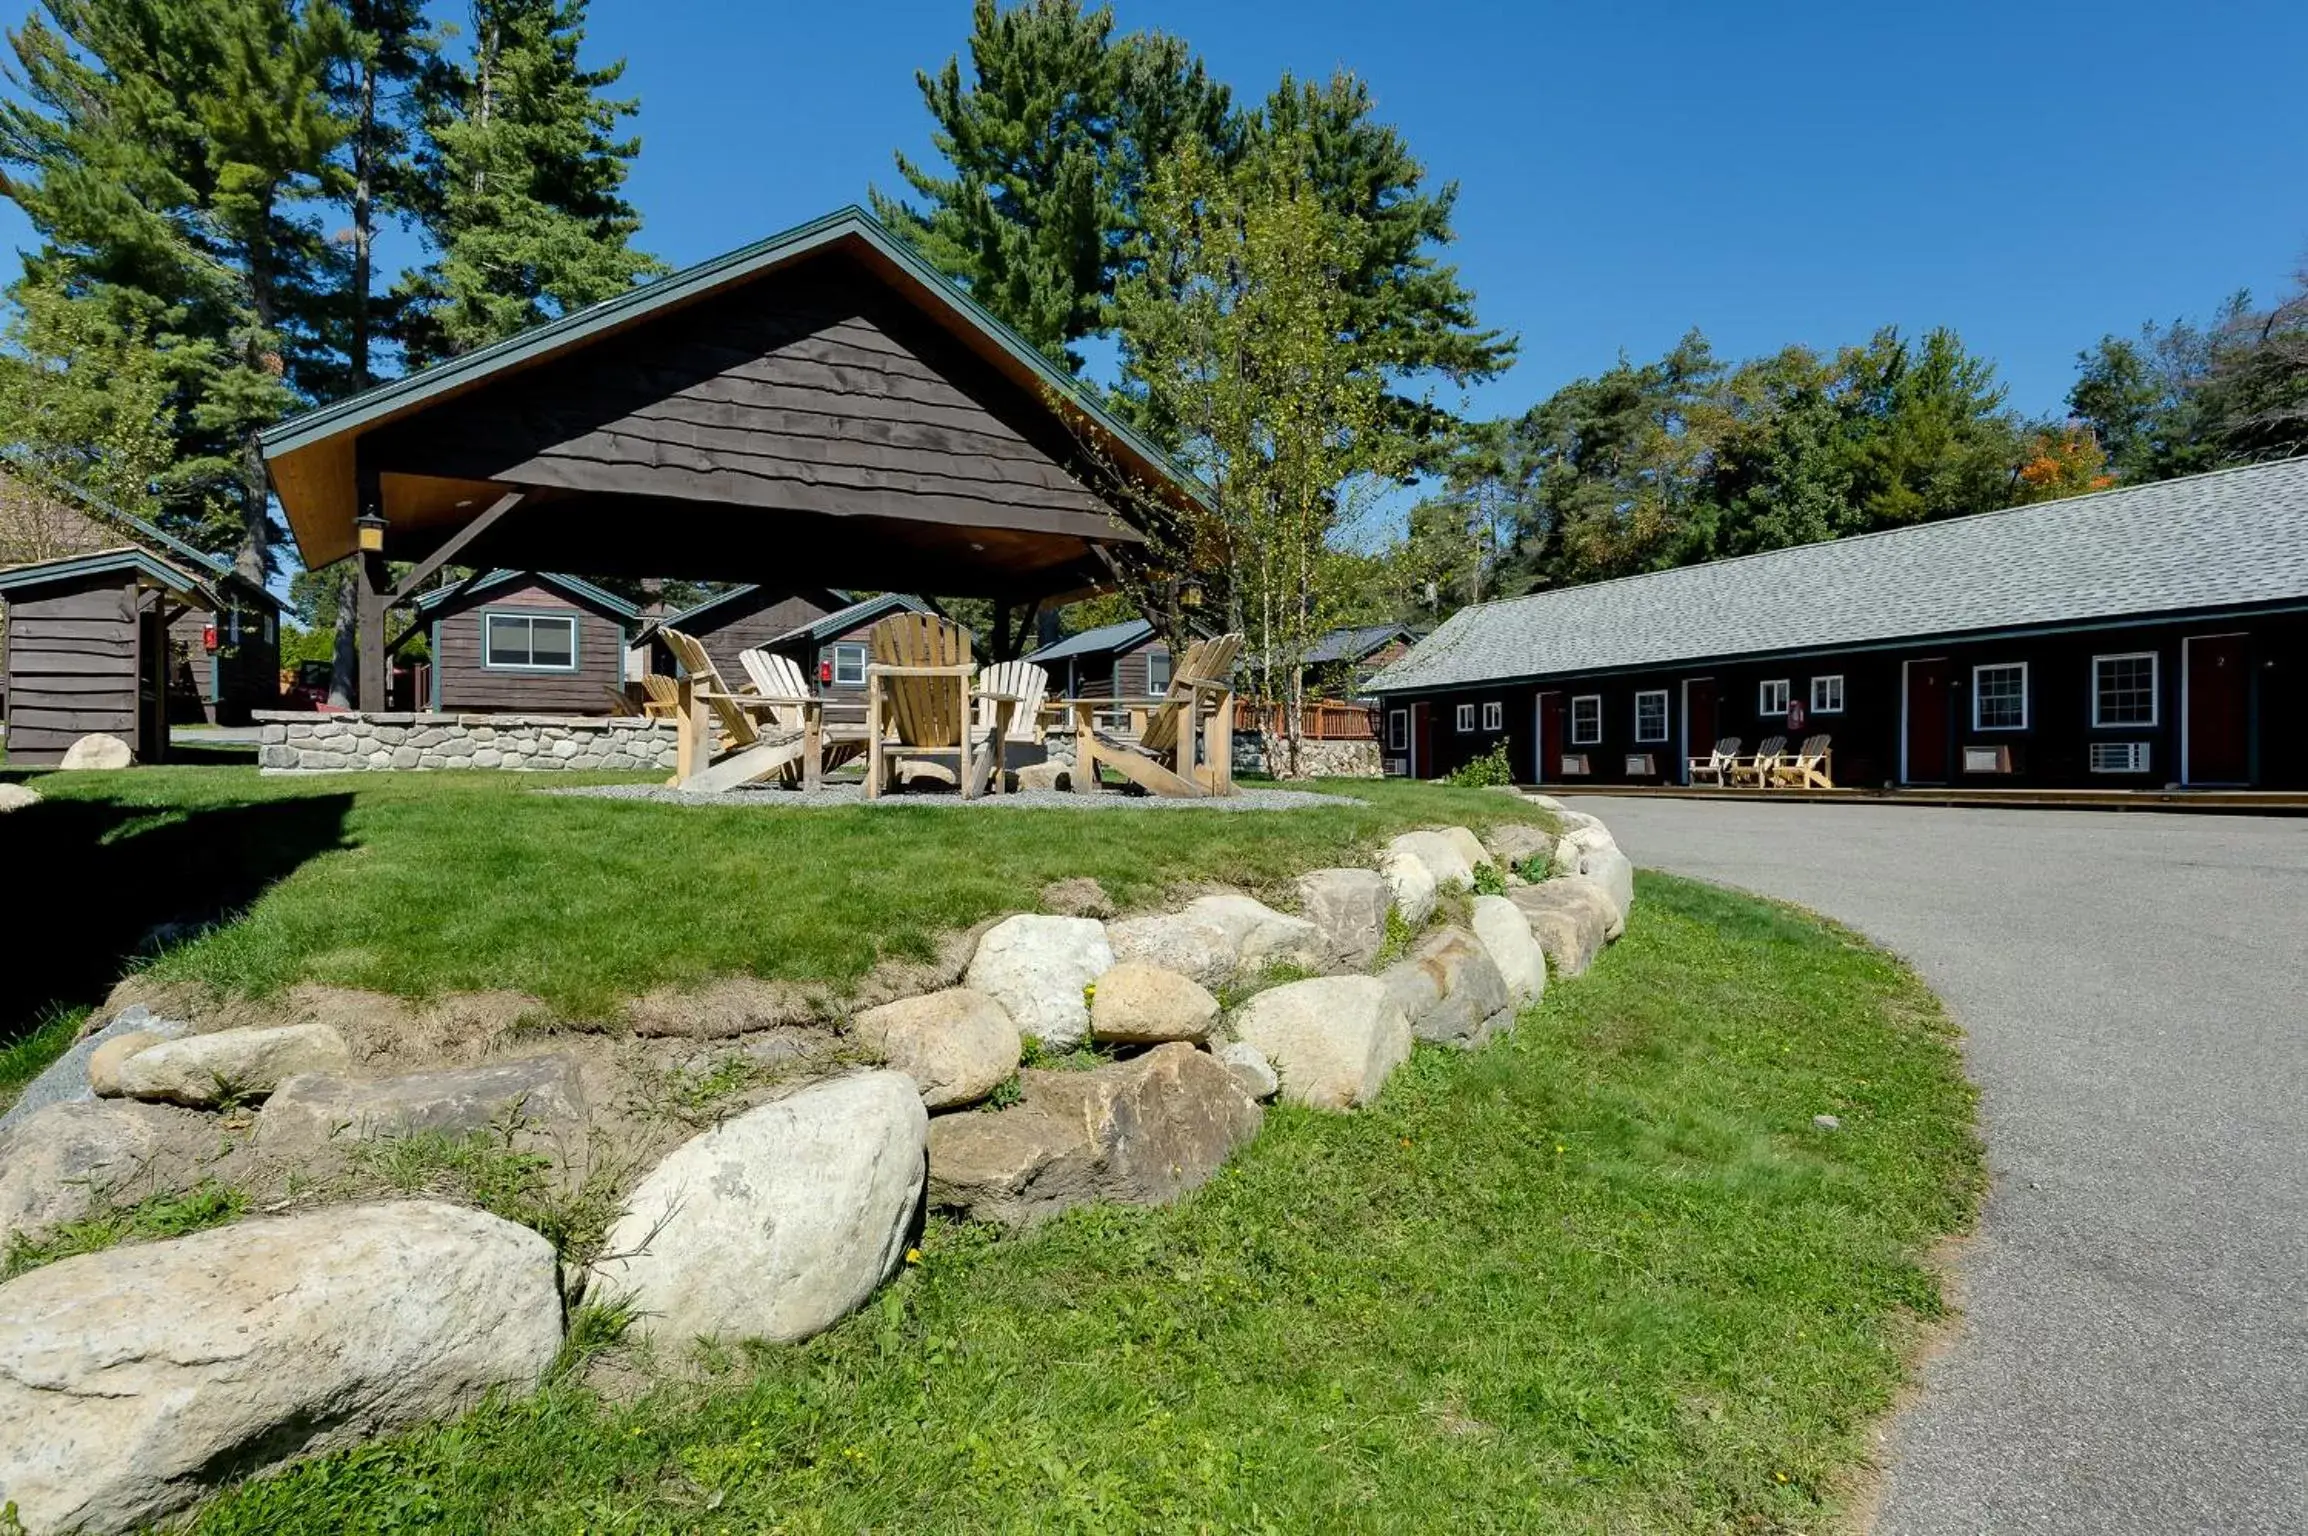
(356, 743)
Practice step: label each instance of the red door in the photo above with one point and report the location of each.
(1422, 741)
(1927, 722)
(1698, 721)
(2219, 685)
(1549, 767)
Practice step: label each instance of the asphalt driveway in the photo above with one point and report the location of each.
(2134, 988)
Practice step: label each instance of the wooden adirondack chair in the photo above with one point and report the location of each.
(621, 704)
(1757, 770)
(782, 685)
(1029, 685)
(1717, 764)
(1807, 767)
(661, 697)
(745, 752)
(1186, 748)
(919, 705)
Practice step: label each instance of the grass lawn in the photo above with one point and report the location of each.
(418, 885)
(1604, 1275)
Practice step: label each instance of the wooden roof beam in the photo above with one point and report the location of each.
(455, 545)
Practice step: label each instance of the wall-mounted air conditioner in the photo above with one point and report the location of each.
(1640, 764)
(2119, 757)
(1575, 765)
(1396, 767)
(1987, 759)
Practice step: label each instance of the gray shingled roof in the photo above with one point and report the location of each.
(1355, 643)
(1093, 642)
(2234, 538)
(842, 620)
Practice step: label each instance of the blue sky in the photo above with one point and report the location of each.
(2032, 174)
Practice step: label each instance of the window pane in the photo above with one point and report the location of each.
(1650, 716)
(1774, 701)
(1826, 695)
(1158, 671)
(1999, 697)
(508, 641)
(2126, 690)
(552, 642)
(1586, 720)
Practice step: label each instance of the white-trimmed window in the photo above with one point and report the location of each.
(1158, 669)
(1586, 719)
(1466, 718)
(1999, 696)
(1398, 730)
(2124, 689)
(1494, 716)
(1827, 695)
(849, 664)
(1771, 698)
(529, 642)
(1651, 715)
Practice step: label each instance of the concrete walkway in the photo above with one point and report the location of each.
(2134, 988)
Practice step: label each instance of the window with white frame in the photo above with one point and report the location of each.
(1651, 715)
(1586, 719)
(1158, 670)
(2124, 689)
(1999, 697)
(1494, 716)
(1398, 730)
(529, 642)
(1772, 699)
(1827, 695)
(1466, 717)
(849, 665)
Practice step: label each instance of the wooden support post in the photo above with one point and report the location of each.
(873, 734)
(1005, 645)
(369, 631)
(685, 729)
(812, 748)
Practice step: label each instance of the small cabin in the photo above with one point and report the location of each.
(734, 621)
(114, 642)
(1114, 661)
(526, 643)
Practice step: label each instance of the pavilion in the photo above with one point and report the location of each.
(820, 407)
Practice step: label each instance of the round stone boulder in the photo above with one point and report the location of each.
(104, 1062)
(957, 1045)
(1192, 947)
(1261, 936)
(778, 1223)
(1333, 1040)
(1505, 935)
(135, 1380)
(204, 1070)
(1409, 882)
(60, 1159)
(1349, 906)
(1250, 1069)
(15, 797)
(97, 751)
(1145, 1005)
(1036, 967)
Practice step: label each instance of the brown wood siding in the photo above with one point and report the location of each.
(751, 621)
(816, 393)
(466, 686)
(71, 668)
(1107, 674)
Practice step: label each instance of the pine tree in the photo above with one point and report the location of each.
(522, 183)
(170, 157)
(1051, 143)
(1409, 305)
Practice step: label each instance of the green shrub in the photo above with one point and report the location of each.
(1490, 880)
(1483, 772)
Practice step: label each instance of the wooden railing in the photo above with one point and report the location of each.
(1323, 720)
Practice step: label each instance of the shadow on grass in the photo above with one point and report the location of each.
(103, 883)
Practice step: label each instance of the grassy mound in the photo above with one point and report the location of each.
(1604, 1275)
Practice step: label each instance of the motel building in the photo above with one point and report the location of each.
(2148, 638)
